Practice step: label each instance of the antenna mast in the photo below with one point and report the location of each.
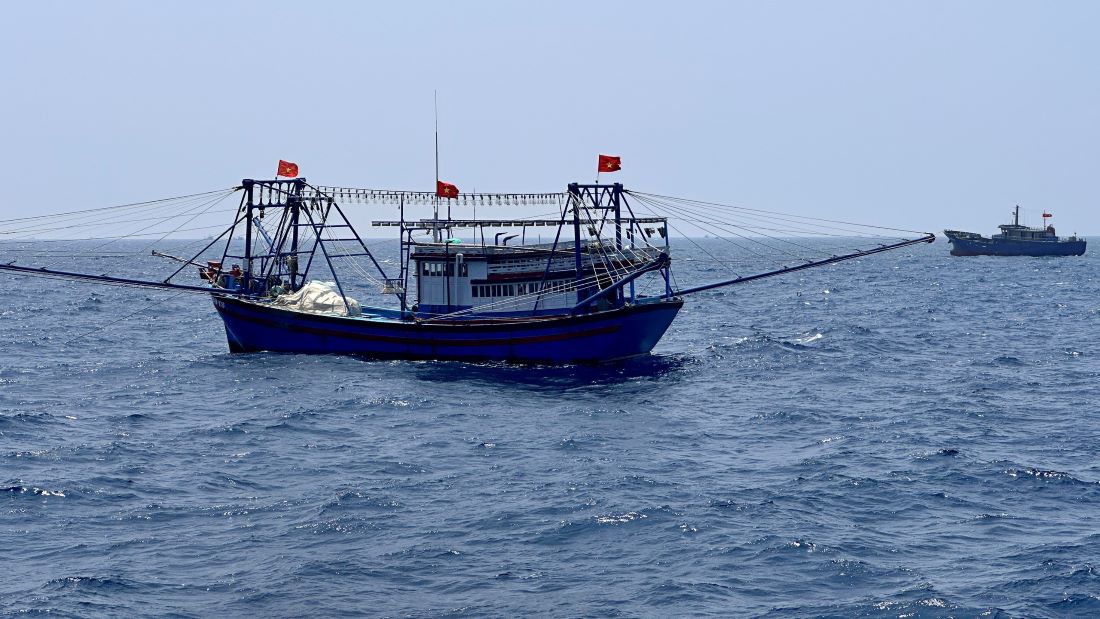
(435, 107)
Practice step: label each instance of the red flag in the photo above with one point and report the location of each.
(287, 169)
(610, 164)
(445, 190)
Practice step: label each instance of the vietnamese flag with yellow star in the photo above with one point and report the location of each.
(445, 190)
(609, 163)
(287, 169)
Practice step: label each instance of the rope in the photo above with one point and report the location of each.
(208, 205)
(772, 213)
(687, 215)
(120, 206)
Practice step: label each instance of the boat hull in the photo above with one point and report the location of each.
(990, 247)
(589, 338)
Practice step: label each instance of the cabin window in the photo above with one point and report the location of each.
(436, 269)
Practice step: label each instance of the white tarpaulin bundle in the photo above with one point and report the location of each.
(319, 298)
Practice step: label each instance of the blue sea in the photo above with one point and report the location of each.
(906, 435)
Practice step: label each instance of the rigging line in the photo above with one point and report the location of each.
(619, 252)
(127, 317)
(724, 226)
(177, 228)
(609, 265)
(346, 253)
(682, 210)
(30, 232)
(635, 228)
(87, 225)
(697, 246)
(105, 238)
(774, 254)
(120, 206)
(844, 247)
(819, 230)
(61, 223)
(135, 233)
(358, 239)
(82, 220)
(73, 243)
(66, 218)
(601, 254)
(806, 232)
(46, 253)
(656, 209)
(853, 230)
(744, 208)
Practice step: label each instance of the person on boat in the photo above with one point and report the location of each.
(236, 271)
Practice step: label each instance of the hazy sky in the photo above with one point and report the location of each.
(913, 114)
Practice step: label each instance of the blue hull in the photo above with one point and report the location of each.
(989, 247)
(589, 338)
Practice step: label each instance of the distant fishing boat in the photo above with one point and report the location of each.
(1016, 240)
(573, 300)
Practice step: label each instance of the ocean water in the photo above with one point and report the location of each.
(907, 435)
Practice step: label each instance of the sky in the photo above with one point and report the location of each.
(913, 114)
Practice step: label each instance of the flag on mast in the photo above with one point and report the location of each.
(445, 190)
(287, 169)
(609, 163)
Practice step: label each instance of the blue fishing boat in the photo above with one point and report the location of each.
(1016, 240)
(602, 289)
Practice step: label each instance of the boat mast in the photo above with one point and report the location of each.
(1016, 221)
(435, 107)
